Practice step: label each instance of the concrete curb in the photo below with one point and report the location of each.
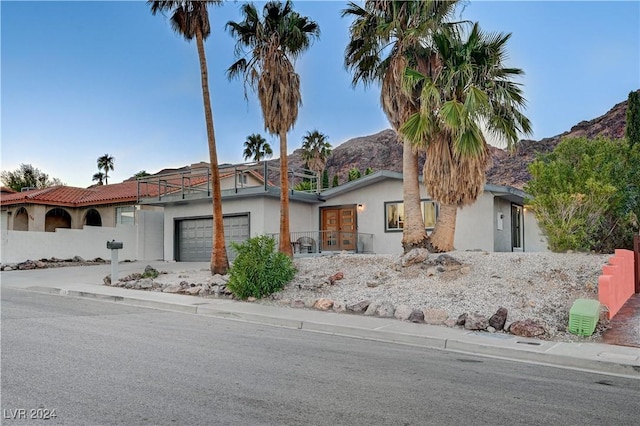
(592, 357)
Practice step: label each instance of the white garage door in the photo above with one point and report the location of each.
(194, 237)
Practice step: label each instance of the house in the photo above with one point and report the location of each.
(365, 215)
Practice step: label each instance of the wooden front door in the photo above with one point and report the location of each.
(339, 228)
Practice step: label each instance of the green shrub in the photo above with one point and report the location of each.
(259, 270)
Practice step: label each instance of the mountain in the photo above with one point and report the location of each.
(382, 151)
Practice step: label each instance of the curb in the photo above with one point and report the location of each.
(591, 357)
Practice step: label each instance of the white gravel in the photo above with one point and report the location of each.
(540, 286)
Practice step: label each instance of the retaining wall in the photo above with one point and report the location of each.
(616, 284)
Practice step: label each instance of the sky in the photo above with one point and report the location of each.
(79, 79)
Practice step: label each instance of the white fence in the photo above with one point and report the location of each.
(142, 241)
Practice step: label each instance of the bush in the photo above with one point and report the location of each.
(259, 270)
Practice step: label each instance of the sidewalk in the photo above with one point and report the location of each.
(87, 282)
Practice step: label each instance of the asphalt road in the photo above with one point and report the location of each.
(99, 363)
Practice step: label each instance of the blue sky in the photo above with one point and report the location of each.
(80, 79)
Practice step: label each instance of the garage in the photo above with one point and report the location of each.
(194, 237)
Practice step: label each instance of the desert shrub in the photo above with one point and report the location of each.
(586, 194)
(259, 270)
(354, 174)
(305, 185)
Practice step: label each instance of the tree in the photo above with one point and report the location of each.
(141, 173)
(335, 181)
(27, 176)
(386, 37)
(471, 88)
(354, 174)
(632, 129)
(315, 151)
(98, 177)
(256, 148)
(190, 19)
(266, 47)
(586, 194)
(325, 178)
(105, 163)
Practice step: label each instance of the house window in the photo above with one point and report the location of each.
(242, 179)
(394, 215)
(125, 215)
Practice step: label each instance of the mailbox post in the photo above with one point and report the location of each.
(114, 246)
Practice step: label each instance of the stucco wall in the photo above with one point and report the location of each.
(264, 216)
(474, 225)
(89, 243)
(502, 237)
(534, 239)
(150, 234)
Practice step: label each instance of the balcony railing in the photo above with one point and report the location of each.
(316, 242)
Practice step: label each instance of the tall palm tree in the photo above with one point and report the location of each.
(266, 47)
(315, 152)
(472, 89)
(105, 162)
(256, 148)
(386, 37)
(191, 20)
(98, 177)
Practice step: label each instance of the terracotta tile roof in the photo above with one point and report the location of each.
(6, 190)
(75, 197)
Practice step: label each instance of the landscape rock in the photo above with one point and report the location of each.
(447, 260)
(416, 255)
(193, 290)
(309, 302)
(386, 310)
(451, 322)
(172, 288)
(403, 312)
(323, 304)
(145, 283)
(339, 307)
(498, 319)
(251, 299)
(151, 271)
(417, 316)
(78, 259)
(107, 280)
(26, 265)
(358, 307)
(297, 304)
(462, 319)
(434, 316)
(476, 321)
(336, 277)
(372, 309)
(527, 328)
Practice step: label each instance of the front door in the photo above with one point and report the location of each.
(517, 230)
(339, 228)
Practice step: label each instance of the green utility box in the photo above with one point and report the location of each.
(583, 317)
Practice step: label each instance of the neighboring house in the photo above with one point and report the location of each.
(62, 221)
(365, 215)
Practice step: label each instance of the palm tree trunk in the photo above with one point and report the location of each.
(442, 237)
(219, 260)
(413, 233)
(285, 237)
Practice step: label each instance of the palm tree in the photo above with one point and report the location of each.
(386, 37)
(472, 89)
(191, 20)
(98, 177)
(256, 148)
(266, 47)
(105, 163)
(315, 152)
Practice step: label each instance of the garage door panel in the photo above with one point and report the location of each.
(194, 237)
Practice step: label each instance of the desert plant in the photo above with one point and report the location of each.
(354, 174)
(335, 181)
(259, 270)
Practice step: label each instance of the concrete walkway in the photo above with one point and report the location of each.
(87, 282)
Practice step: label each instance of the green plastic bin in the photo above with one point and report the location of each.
(583, 317)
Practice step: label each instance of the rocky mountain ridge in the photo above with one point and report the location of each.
(382, 151)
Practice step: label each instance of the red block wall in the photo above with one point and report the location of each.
(616, 284)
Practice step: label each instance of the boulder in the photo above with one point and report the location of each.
(107, 280)
(434, 316)
(251, 299)
(358, 307)
(417, 316)
(309, 302)
(417, 255)
(403, 312)
(527, 328)
(498, 319)
(297, 303)
(193, 290)
(339, 307)
(461, 319)
(475, 321)
(27, 265)
(386, 310)
(173, 288)
(323, 304)
(78, 259)
(447, 260)
(451, 322)
(145, 283)
(371, 309)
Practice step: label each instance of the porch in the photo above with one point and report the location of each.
(305, 243)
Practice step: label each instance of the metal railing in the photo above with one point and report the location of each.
(316, 242)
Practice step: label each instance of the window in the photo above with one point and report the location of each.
(394, 215)
(125, 215)
(242, 179)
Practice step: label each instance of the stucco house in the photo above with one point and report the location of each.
(364, 215)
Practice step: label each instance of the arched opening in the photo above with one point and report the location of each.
(92, 218)
(21, 220)
(56, 218)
